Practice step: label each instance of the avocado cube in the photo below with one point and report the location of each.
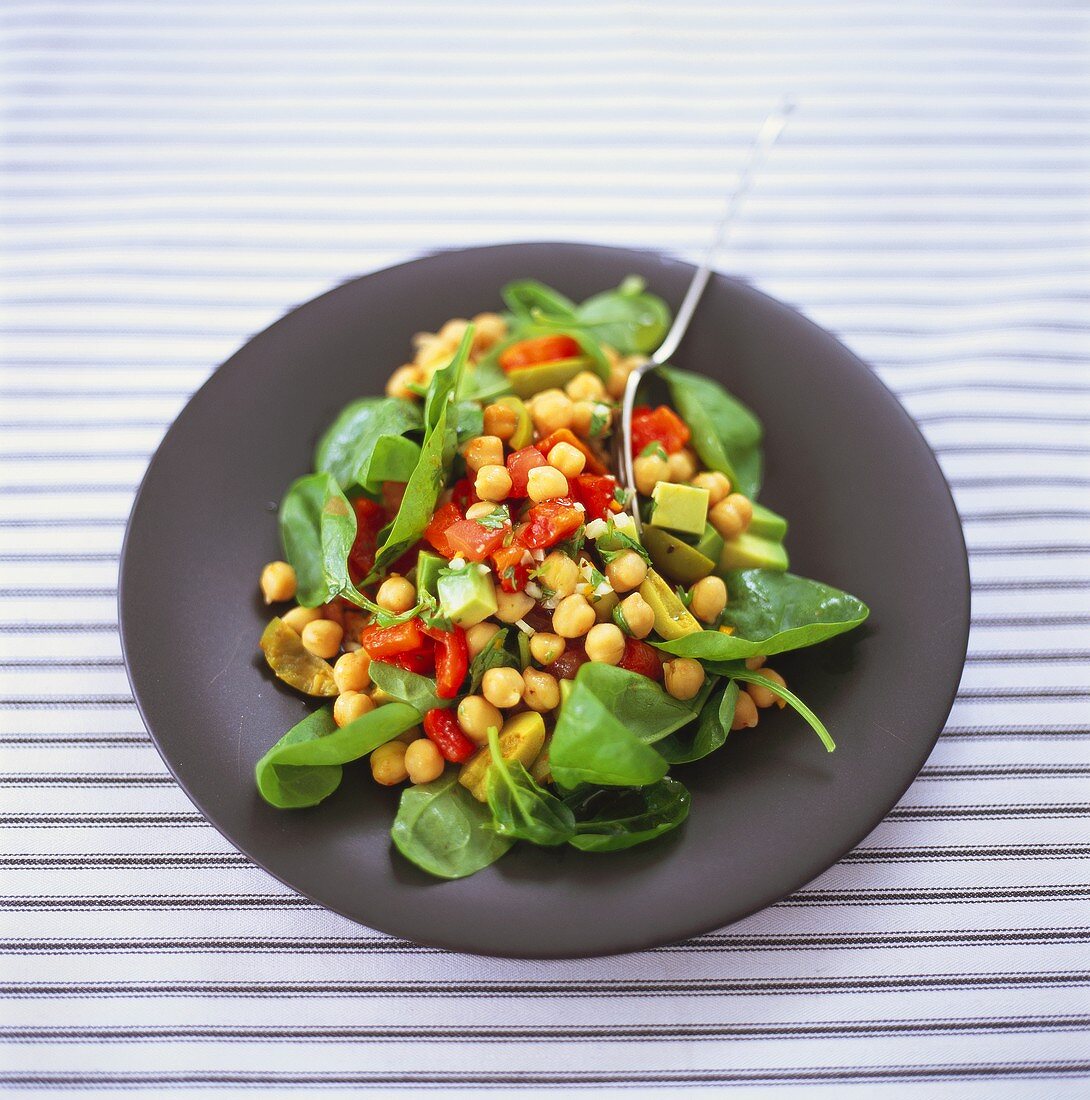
(467, 596)
(753, 552)
(681, 508)
(767, 523)
(428, 566)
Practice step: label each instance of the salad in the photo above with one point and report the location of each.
(479, 614)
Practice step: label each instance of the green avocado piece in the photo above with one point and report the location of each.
(767, 524)
(467, 596)
(710, 544)
(546, 376)
(681, 508)
(427, 572)
(672, 618)
(678, 560)
(524, 429)
(749, 551)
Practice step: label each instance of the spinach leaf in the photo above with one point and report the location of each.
(486, 381)
(349, 441)
(725, 434)
(409, 687)
(521, 809)
(772, 613)
(444, 830)
(436, 455)
(468, 419)
(317, 528)
(607, 821)
(304, 766)
(628, 318)
(524, 296)
(792, 700)
(393, 458)
(494, 655)
(707, 734)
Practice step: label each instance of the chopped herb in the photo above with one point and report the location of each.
(621, 496)
(599, 420)
(653, 448)
(613, 543)
(497, 519)
(571, 546)
(619, 619)
(684, 595)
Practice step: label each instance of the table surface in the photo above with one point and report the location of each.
(178, 175)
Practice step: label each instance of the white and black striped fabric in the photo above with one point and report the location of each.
(178, 174)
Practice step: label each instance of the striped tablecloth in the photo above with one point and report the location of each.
(176, 175)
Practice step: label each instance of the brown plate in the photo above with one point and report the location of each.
(869, 512)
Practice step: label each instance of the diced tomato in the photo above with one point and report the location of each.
(473, 540)
(549, 522)
(519, 465)
(451, 659)
(642, 658)
(436, 532)
(540, 349)
(661, 425)
(569, 662)
(448, 737)
(384, 642)
(507, 561)
(566, 435)
(393, 492)
(595, 494)
(369, 521)
(463, 494)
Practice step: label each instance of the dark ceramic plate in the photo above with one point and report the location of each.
(869, 512)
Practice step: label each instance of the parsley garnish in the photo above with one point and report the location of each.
(497, 519)
(653, 448)
(599, 420)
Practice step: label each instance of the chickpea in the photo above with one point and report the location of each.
(638, 616)
(475, 715)
(618, 375)
(334, 613)
(551, 410)
(648, 471)
(682, 464)
(765, 697)
(352, 672)
(478, 636)
(430, 352)
(586, 386)
(278, 581)
(745, 712)
(492, 483)
(605, 643)
(708, 598)
(573, 617)
(500, 421)
(489, 330)
(512, 606)
(388, 764)
(481, 509)
(452, 332)
(396, 594)
(731, 516)
(567, 459)
(410, 735)
(322, 638)
(558, 573)
(351, 705)
(754, 663)
(423, 761)
(590, 415)
(684, 677)
(503, 687)
(298, 617)
(400, 381)
(546, 648)
(484, 450)
(545, 483)
(717, 484)
(542, 690)
(354, 622)
(626, 571)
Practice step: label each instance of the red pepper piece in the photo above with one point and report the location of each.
(507, 561)
(393, 492)
(445, 516)
(540, 349)
(569, 662)
(661, 425)
(463, 494)
(549, 522)
(519, 465)
(443, 730)
(385, 642)
(420, 661)
(451, 659)
(642, 658)
(566, 435)
(595, 494)
(473, 540)
(369, 521)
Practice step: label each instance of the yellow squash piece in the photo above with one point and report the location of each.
(284, 651)
(539, 770)
(526, 381)
(521, 739)
(672, 618)
(524, 428)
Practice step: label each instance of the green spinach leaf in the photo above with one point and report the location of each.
(707, 734)
(393, 458)
(409, 687)
(521, 809)
(524, 296)
(304, 766)
(444, 830)
(792, 700)
(468, 419)
(349, 441)
(494, 655)
(628, 318)
(317, 528)
(607, 821)
(725, 434)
